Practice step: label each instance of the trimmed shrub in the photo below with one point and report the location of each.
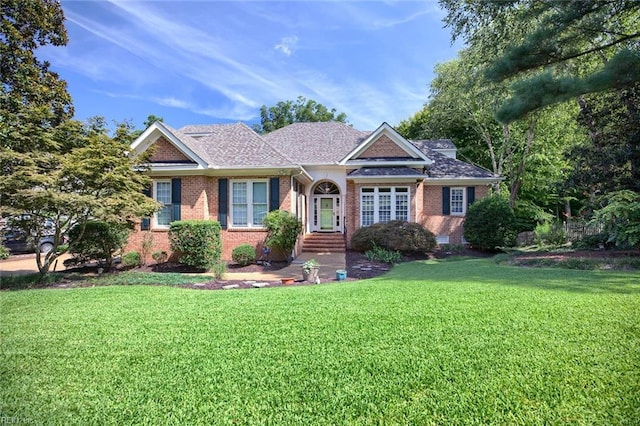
(550, 234)
(131, 258)
(99, 241)
(283, 230)
(490, 223)
(244, 254)
(395, 235)
(160, 256)
(196, 242)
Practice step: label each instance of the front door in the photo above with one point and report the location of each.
(326, 214)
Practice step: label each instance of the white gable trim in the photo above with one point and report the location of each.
(157, 130)
(386, 130)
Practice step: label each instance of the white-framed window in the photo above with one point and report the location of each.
(249, 203)
(162, 194)
(457, 201)
(382, 204)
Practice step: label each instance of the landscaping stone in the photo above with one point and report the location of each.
(259, 285)
(230, 286)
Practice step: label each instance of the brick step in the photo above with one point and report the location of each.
(320, 242)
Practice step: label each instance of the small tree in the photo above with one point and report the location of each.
(490, 223)
(197, 242)
(283, 230)
(95, 240)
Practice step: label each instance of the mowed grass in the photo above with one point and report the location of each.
(453, 342)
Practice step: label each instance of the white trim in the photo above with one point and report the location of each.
(154, 222)
(376, 202)
(391, 133)
(154, 132)
(249, 203)
(464, 201)
(461, 181)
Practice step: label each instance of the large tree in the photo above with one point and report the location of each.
(558, 50)
(302, 110)
(55, 170)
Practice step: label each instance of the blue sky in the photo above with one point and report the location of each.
(218, 61)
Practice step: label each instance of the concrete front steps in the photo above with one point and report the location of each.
(319, 242)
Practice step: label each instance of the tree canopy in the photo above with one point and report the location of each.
(551, 51)
(302, 110)
(55, 169)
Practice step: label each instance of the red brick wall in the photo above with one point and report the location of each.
(383, 147)
(432, 218)
(200, 201)
(165, 151)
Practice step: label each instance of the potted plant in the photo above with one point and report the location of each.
(310, 270)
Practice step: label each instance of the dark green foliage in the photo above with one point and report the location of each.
(244, 254)
(97, 241)
(490, 223)
(550, 234)
(160, 256)
(300, 111)
(4, 252)
(592, 242)
(394, 235)
(380, 254)
(621, 218)
(197, 242)
(283, 230)
(131, 259)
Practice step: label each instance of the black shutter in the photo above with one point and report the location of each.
(446, 202)
(471, 195)
(223, 202)
(145, 223)
(274, 194)
(176, 198)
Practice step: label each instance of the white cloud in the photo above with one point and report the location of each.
(287, 45)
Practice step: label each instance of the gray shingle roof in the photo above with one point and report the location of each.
(231, 145)
(384, 171)
(316, 143)
(434, 143)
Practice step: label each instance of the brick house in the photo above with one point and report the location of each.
(333, 177)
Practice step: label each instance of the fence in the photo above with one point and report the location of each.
(578, 230)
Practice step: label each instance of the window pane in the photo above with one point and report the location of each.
(366, 207)
(457, 199)
(163, 192)
(259, 212)
(259, 192)
(163, 217)
(239, 214)
(402, 207)
(384, 207)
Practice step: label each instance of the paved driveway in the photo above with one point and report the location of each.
(26, 264)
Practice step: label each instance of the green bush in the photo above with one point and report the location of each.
(4, 252)
(244, 254)
(395, 235)
(550, 234)
(197, 242)
(99, 241)
(218, 270)
(383, 255)
(132, 258)
(160, 256)
(592, 242)
(490, 223)
(283, 230)
(621, 218)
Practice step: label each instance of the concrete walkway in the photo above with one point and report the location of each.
(329, 263)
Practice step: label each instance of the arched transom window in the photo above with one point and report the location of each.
(326, 188)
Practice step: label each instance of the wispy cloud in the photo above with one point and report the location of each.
(287, 45)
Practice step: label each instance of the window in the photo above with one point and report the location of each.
(162, 194)
(383, 204)
(457, 201)
(249, 203)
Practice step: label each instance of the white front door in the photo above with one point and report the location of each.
(326, 213)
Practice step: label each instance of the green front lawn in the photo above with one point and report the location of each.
(454, 342)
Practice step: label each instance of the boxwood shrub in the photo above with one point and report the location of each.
(490, 223)
(196, 242)
(244, 254)
(394, 235)
(98, 242)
